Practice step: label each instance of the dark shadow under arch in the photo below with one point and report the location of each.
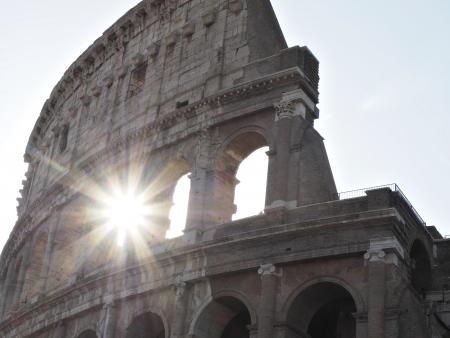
(224, 317)
(87, 334)
(146, 325)
(323, 310)
(238, 148)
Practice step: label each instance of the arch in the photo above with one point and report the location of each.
(239, 144)
(146, 325)
(233, 150)
(227, 315)
(179, 207)
(420, 266)
(161, 192)
(264, 132)
(242, 298)
(322, 307)
(87, 334)
(358, 299)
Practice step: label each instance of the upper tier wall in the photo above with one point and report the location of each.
(159, 57)
(176, 81)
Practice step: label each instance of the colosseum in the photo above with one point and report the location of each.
(180, 87)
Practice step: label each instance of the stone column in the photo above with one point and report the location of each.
(198, 194)
(7, 287)
(48, 256)
(283, 123)
(375, 260)
(180, 310)
(110, 313)
(267, 300)
(194, 220)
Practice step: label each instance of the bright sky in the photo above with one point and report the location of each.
(385, 86)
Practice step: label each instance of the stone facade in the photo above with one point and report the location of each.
(195, 86)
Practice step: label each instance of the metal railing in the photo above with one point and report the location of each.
(393, 187)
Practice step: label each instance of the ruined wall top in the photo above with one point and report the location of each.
(161, 31)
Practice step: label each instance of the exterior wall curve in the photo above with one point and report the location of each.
(174, 87)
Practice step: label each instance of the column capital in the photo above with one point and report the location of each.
(375, 255)
(294, 103)
(284, 109)
(269, 270)
(109, 302)
(180, 289)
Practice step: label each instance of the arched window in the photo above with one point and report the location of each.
(178, 211)
(137, 80)
(63, 138)
(250, 193)
(251, 197)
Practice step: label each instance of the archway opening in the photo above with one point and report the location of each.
(250, 193)
(147, 325)
(179, 209)
(225, 317)
(246, 154)
(167, 190)
(421, 267)
(87, 334)
(323, 310)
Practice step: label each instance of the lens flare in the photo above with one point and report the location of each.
(125, 212)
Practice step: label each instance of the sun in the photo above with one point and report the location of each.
(125, 212)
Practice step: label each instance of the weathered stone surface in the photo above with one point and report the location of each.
(190, 86)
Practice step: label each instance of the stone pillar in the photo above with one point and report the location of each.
(110, 313)
(7, 286)
(180, 310)
(194, 219)
(283, 124)
(200, 188)
(221, 205)
(48, 256)
(267, 300)
(294, 110)
(375, 260)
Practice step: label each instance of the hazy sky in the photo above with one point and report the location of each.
(385, 86)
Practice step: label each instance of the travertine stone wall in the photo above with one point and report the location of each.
(195, 86)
